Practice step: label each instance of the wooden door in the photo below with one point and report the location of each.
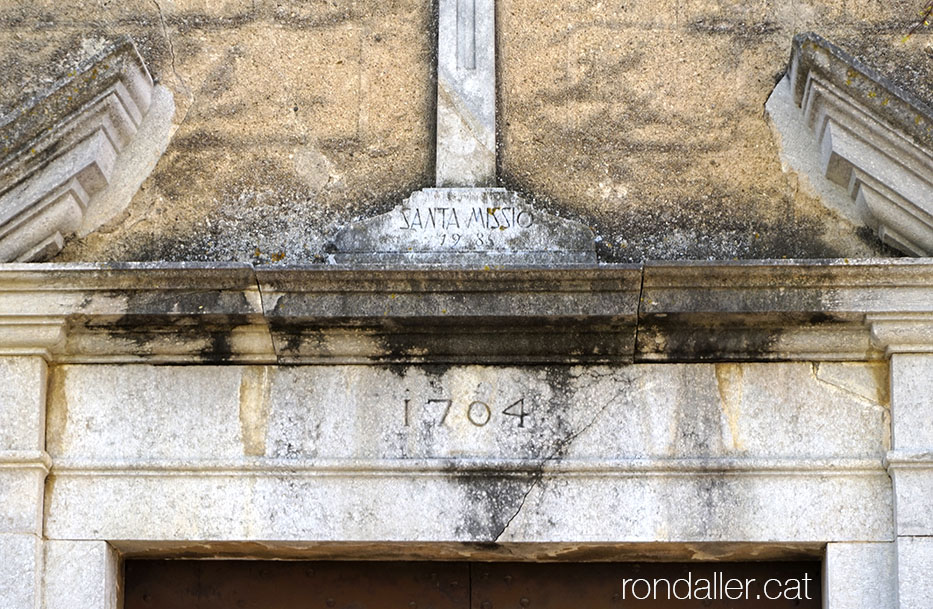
(227, 584)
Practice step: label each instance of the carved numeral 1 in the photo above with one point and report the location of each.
(521, 414)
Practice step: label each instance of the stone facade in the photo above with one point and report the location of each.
(758, 451)
(480, 356)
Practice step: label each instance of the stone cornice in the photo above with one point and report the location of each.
(657, 312)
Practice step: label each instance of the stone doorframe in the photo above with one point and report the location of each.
(66, 520)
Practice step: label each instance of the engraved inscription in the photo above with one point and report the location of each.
(447, 219)
(437, 411)
(466, 34)
(463, 227)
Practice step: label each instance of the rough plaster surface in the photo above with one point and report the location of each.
(291, 118)
(642, 119)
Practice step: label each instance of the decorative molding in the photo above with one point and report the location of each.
(26, 460)
(633, 467)
(902, 333)
(775, 310)
(31, 336)
(60, 150)
(874, 140)
(660, 312)
(909, 460)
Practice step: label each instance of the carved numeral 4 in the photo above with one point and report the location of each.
(520, 413)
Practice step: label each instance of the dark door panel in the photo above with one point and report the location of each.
(226, 584)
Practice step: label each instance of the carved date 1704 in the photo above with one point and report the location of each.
(478, 413)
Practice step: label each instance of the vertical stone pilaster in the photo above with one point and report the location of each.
(80, 575)
(915, 572)
(23, 468)
(466, 94)
(910, 464)
(20, 571)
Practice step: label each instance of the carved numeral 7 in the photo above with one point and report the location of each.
(521, 414)
(446, 403)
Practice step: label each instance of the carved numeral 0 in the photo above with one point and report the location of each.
(480, 420)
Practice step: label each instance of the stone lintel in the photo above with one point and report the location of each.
(680, 311)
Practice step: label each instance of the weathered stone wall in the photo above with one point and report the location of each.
(290, 116)
(643, 119)
(647, 116)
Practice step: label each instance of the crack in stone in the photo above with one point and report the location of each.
(265, 318)
(171, 50)
(836, 387)
(559, 450)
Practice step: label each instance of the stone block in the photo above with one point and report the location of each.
(912, 401)
(913, 492)
(914, 569)
(22, 403)
(860, 576)
(20, 571)
(80, 574)
(22, 488)
(446, 501)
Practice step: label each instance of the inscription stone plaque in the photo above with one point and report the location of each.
(465, 226)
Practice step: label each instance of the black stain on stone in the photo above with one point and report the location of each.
(491, 500)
